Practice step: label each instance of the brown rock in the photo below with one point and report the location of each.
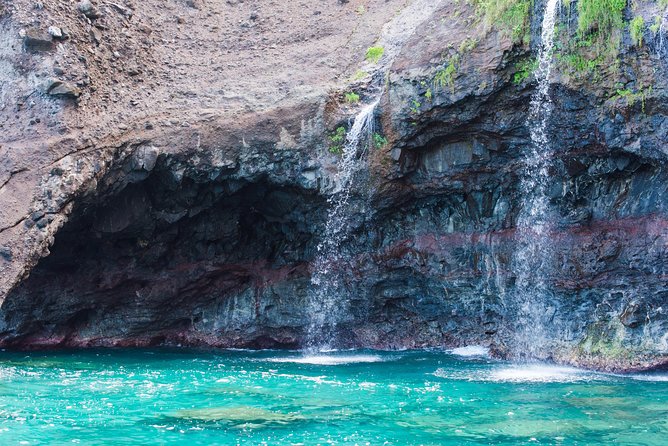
(64, 89)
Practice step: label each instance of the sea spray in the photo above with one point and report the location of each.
(532, 260)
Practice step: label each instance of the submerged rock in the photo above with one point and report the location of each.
(256, 416)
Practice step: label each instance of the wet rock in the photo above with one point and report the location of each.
(632, 316)
(220, 213)
(449, 155)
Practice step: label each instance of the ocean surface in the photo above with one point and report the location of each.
(192, 397)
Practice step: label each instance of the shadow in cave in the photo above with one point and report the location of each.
(162, 262)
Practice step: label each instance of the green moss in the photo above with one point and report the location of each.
(446, 76)
(509, 16)
(374, 54)
(591, 53)
(606, 341)
(415, 106)
(656, 26)
(379, 141)
(468, 45)
(637, 29)
(631, 97)
(524, 69)
(576, 63)
(337, 139)
(352, 97)
(428, 94)
(359, 75)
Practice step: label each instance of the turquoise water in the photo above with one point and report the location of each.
(209, 398)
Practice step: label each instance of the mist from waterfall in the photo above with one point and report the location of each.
(534, 254)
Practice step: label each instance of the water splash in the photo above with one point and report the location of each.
(327, 302)
(470, 350)
(534, 254)
(328, 360)
(522, 373)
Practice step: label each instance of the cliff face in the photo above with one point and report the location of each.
(180, 196)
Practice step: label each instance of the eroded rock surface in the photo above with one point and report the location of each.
(180, 196)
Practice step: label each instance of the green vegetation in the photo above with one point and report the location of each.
(415, 106)
(637, 29)
(359, 75)
(595, 48)
(468, 45)
(379, 141)
(606, 340)
(352, 97)
(446, 76)
(524, 69)
(337, 139)
(510, 16)
(604, 16)
(374, 54)
(428, 94)
(656, 26)
(581, 65)
(632, 97)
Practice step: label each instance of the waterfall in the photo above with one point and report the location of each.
(532, 260)
(327, 304)
(662, 30)
(327, 298)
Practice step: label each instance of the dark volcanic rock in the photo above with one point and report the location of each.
(37, 40)
(203, 231)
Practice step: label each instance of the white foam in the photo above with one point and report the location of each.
(522, 373)
(470, 350)
(328, 359)
(650, 377)
(540, 373)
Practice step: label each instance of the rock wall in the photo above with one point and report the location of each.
(198, 226)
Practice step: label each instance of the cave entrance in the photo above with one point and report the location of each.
(170, 260)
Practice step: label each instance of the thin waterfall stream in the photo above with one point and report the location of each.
(328, 303)
(662, 31)
(325, 304)
(532, 260)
